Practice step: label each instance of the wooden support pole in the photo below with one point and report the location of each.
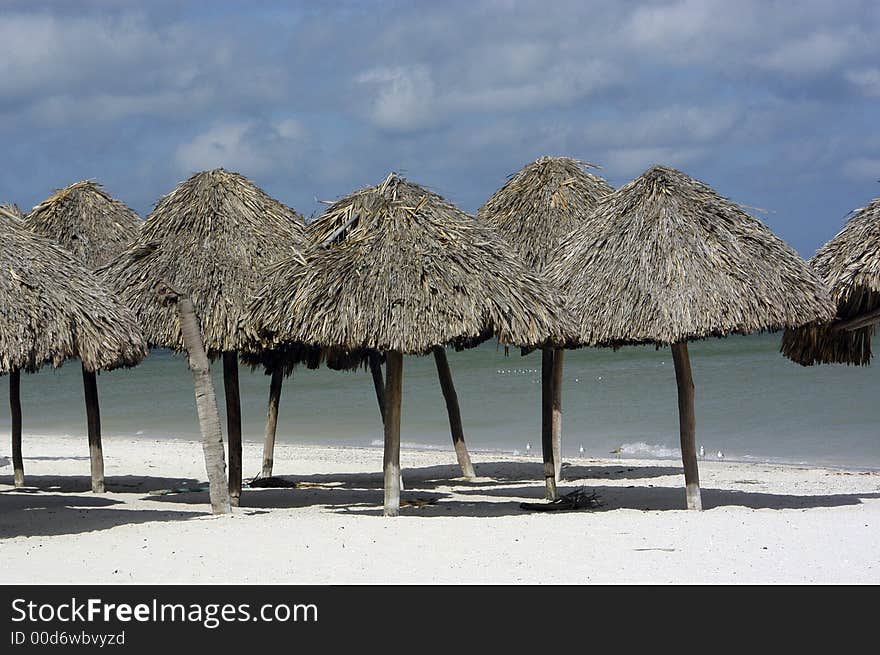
(391, 460)
(233, 423)
(15, 415)
(272, 421)
(206, 401)
(547, 423)
(93, 420)
(857, 322)
(452, 409)
(687, 424)
(557, 412)
(378, 382)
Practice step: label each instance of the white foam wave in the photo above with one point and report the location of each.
(642, 449)
(409, 445)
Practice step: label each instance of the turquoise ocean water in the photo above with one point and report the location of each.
(752, 404)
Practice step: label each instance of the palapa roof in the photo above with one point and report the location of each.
(397, 267)
(211, 237)
(53, 309)
(665, 259)
(87, 221)
(850, 265)
(9, 210)
(542, 203)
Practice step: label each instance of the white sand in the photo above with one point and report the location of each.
(762, 523)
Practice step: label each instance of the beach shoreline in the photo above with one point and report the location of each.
(424, 447)
(763, 523)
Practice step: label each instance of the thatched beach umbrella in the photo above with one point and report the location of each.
(9, 210)
(55, 309)
(94, 227)
(538, 207)
(666, 260)
(87, 221)
(341, 360)
(850, 266)
(399, 270)
(282, 363)
(211, 238)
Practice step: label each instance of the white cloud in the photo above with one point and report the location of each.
(813, 54)
(520, 59)
(740, 38)
(43, 52)
(403, 97)
(561, 84)
(631, 162)
(862, 169)
(866, 80)
(675, 124)
(62, 69)
(246, 146)
(291, 128)
(407, 98)
(676, 27)
(58, 110)
(221, 145)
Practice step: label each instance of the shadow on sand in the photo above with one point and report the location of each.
(489, 474)
(493, 495)
(112, 483)
(673, 497)
(31, 513)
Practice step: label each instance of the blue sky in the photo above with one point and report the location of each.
(772, 103)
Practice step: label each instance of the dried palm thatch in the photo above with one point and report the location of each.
(9, 210)
(850, 265)
(93, 227)
(395, 267)
(87, 221)
(539, 206)
(54, 309)
(283, 358)
(665, 259)
(208, 239)
(211, 237)
(542, 203)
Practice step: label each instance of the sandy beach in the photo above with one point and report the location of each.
(762, 523)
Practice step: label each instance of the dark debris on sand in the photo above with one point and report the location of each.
(580, 498)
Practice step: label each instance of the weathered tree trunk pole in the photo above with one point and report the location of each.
(547, 423)
(378, 382)
(233, 423)
(452, 409)
(272, 421)
(15, 415)
(687, 424)
(93, 420)
(857, 322)
(206, 401)
(557, 412)
(391, 459)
